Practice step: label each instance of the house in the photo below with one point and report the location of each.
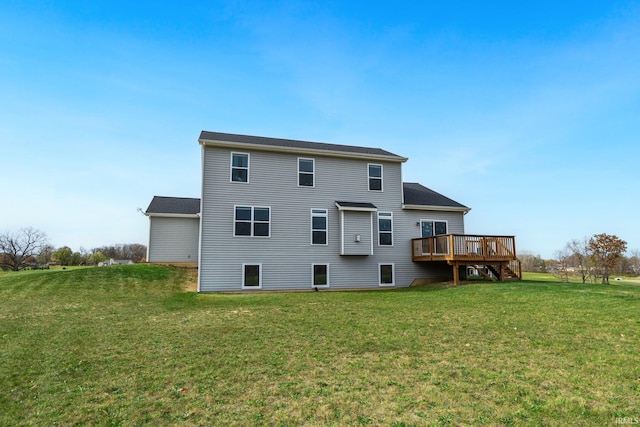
(280, 214)
(174, 229)
(112, 261)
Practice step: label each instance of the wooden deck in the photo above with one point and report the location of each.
(493, 256)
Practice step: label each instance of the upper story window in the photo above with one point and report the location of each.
(375, 177)
(319, 226)
(239, 167)
(252, 221)
(385, 228)
(306, 172)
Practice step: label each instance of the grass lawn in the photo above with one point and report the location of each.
(128, 345)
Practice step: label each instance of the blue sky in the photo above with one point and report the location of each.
(527, 112)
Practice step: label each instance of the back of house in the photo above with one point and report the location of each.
(279, 214)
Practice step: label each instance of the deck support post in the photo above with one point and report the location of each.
(456, 274)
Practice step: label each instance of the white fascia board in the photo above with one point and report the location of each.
(304, 151)
(172, 215)
(436, 208)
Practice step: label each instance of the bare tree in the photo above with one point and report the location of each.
(531, 262)
(581, 257)
(634, 260)
(16, 247)
(606, 250)
(562, 265)
(45, 254)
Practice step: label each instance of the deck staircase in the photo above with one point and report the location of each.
(504, 273)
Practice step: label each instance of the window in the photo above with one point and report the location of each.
(320, 275)
(239, 167)
(252, 221)
(251, 276)
(306, 172)
(431, 228)
(385, 273)
(375, 177)
(319, 226)
(385, 228)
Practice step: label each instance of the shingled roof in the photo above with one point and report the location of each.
(292, 144)
(418, 195)
(173, 205)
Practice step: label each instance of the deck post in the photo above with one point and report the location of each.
(456, 274)
(452, 248)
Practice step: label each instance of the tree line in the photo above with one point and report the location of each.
(592, 259)
(29, 247)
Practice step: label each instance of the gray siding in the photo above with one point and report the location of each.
(405, 229)
(286, 256)
(173, 239)
(357, 233)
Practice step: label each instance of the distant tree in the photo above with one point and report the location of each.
(622, 267)
(16, 247)
(45, 254)
(634, 261)
(133, 251)
(84, 256)
(76, 259)
(581, 257)
(96, 258)
(63, 255)
(137, 252)
(531, 262)
(605, 251)
(561, 270)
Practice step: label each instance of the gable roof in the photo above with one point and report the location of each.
(173, 206)
(291, 145)
(417, 196)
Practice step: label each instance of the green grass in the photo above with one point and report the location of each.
(129, 346)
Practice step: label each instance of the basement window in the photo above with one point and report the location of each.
(320, 275)
(251, 276)
(386, 275)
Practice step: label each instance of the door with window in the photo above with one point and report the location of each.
(436, 229)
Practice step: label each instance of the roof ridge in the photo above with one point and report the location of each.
(297, 144)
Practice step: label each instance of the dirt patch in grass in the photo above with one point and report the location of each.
(191, 280)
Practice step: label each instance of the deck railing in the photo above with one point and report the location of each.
(464, 247)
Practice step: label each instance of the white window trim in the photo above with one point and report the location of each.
(328, 275)
(369, 177)
(326, 215)
(233, 231)
(393, 274)
(231, 167)
(386, 215)
(313, 161)
(244, 264)
(434, 228)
